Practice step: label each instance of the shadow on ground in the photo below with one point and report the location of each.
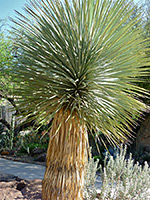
(23, 170)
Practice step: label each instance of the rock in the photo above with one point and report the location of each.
(7, 152)
(8, 177)
(4, 153)
(21, 185)
(9, 192)
(37, 151)
(143, 135)
(33, 190)
(41, 157)
(22, 190)
(11, 184)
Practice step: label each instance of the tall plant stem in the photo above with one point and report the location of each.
(66, 159)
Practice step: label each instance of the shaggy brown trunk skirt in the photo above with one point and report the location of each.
(66, 159)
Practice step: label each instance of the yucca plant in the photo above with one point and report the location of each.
(78, 64)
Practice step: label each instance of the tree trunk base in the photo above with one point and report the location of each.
(66, 159)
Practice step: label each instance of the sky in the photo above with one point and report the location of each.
(7, 7)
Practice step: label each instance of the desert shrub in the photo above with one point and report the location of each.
(90, 179)
(121, 178)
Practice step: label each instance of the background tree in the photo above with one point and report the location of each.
(145, 7)
(146, 16)
(8, 57)
(80, 65)
(6, 60)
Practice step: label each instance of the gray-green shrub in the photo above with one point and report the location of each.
(122, 179)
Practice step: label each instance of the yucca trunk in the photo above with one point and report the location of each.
(66, 159)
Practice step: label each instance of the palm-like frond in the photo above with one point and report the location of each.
(84, 56)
